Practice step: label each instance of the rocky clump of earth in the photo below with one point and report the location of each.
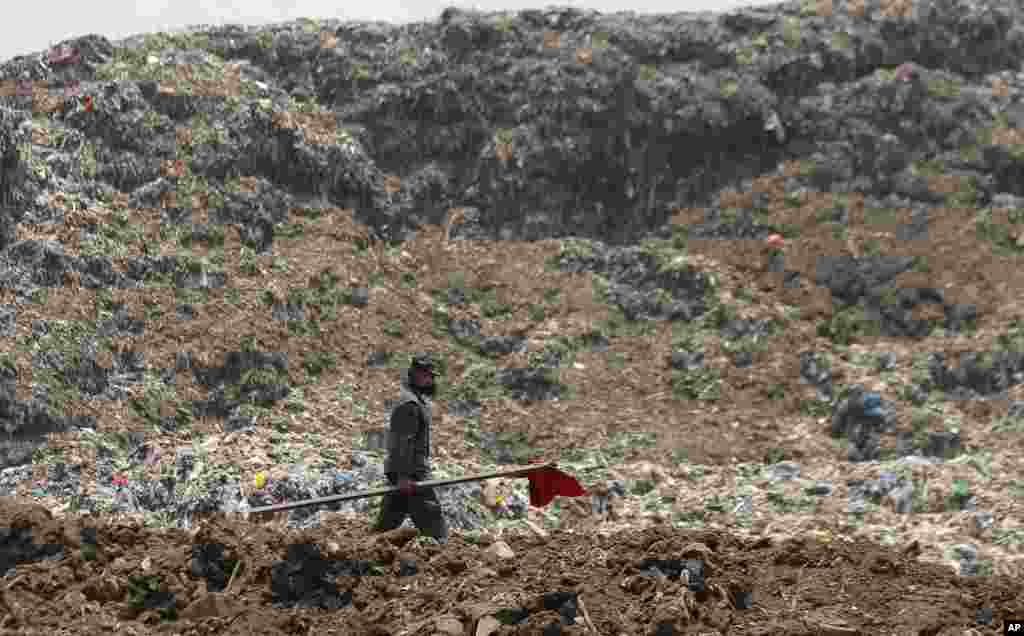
(233, 576)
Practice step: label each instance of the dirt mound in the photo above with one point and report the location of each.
(235, 576)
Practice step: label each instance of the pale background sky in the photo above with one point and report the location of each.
(31, 26)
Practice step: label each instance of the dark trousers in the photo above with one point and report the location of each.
(423, 506)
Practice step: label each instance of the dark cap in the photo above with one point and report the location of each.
(423, 361)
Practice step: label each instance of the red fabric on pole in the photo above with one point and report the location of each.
(548, 483)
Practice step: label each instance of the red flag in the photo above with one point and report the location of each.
(548, 483)
(87, 102)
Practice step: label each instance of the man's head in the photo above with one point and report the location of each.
(422, 373)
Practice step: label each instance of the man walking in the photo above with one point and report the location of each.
(409, 455)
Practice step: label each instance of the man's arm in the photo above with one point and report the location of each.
(405, 425)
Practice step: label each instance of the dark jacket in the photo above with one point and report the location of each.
(409, 434)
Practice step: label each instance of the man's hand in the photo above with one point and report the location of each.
(407, 487)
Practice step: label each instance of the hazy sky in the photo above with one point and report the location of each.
(32, 26)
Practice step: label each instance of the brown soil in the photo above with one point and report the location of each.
(814, 584)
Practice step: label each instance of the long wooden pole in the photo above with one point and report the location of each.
(518, 472)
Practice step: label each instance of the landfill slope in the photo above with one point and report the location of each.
(752, 278)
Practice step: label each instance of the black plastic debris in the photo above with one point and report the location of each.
(17, 546)
(686, 360)
(208, 563)
(564, 602)
(743, 599)
(359, 296)
(407, 567)
(555, 600)
(88, 536)
(568, 612)
(695, 567)
(819, 488)
(664, 629)
(377, 359)
(304, 580)
(943, 444)
(983, 616)
(969, 567)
